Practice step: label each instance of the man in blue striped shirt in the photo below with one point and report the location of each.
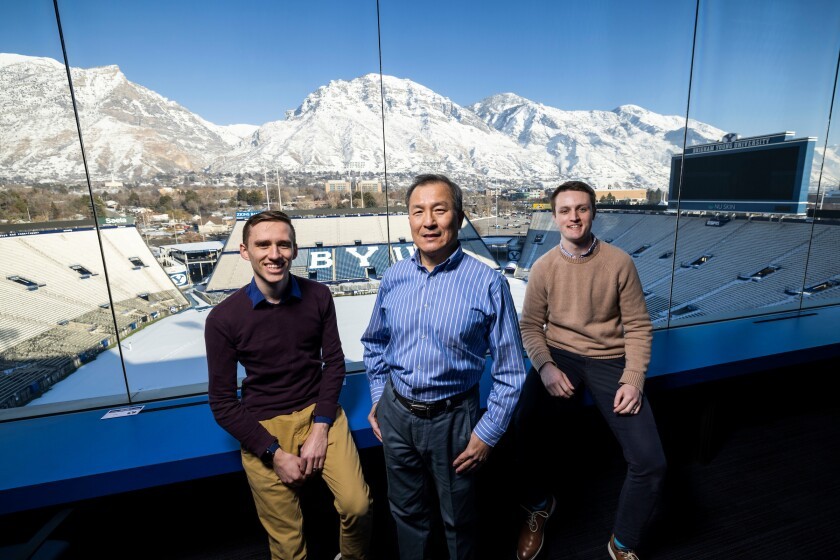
(436, 316)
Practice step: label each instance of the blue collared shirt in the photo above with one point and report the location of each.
(430, 333)
(292, 291)
(257, 297)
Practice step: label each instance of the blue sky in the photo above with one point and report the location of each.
(761, 65)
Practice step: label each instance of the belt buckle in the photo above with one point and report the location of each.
(421, 410)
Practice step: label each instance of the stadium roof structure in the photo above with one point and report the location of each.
(340, 248)
(500, 239)
(198, 247)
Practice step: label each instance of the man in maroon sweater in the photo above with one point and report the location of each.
(283, 330)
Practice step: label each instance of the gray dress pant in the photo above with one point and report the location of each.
(418, 459)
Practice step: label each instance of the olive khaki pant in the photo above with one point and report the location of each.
(278, 505)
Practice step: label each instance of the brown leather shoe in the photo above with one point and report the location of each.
(531, 535)
(620, 553)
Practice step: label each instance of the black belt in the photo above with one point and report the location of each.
(423, 409)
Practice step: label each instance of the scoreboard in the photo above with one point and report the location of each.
(767, 174)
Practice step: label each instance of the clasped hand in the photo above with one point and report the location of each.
(293, 470)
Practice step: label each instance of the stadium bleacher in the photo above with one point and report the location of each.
(334, 248)
(63, 317)
(338, 249)
(723, 286)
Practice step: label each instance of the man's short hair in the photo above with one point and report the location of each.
(579, 186)
(454, 189)
(267, 216)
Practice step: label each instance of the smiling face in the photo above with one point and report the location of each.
(434, 222)
(573, 214)
(270, 250)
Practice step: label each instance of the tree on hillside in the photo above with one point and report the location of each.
(164, 203)
(81, 205)
(133, 199)
(12, 206)
(654, 197)
(100, 206)
(191, 202)
(255, 197)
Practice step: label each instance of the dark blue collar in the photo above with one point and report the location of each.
(256, 296)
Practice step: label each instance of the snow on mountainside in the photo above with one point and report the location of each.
(132, 132)
(339, 126)
(240, 131)
(628, 145)
(128, 130)
(826, 172)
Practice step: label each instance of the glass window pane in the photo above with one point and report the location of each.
(822, 277)
(227, 112)
(511, 103)
(57, 324)
(763, 79)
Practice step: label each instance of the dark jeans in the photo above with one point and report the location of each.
(637, 435)
(418, 460)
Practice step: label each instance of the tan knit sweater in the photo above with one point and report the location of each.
(591, 306)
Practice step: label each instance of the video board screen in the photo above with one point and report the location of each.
(770, 177)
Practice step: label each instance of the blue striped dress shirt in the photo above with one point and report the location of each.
(430, 332)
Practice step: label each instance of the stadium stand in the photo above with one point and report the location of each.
(716, 273)
(824, 263)
(55, 303)
(299, 266)
(339, 249)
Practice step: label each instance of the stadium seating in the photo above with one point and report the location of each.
(711, 290)
(339, 235)
(56, 317)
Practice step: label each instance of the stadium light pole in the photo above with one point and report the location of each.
(200, 223)
(497, 206)
(279, 194)
(351, 165)
(267, 199)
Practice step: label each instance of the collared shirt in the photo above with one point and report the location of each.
(584, 254)
(257, 297)
(430, 333)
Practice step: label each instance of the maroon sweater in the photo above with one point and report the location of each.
(291, 353)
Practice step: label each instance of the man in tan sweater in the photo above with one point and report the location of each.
(585, 324)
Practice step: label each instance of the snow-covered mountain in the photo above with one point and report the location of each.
(129, 131)
(502, 137)
(626, 146)
(339, 126)
(132, 132)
